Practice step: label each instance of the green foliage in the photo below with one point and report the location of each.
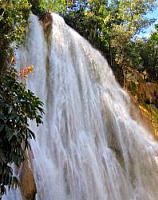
(17, 105)
(14, 16)
(148, 51)
(52, 6)
(111, 27)
(41, 6)
(35, 7)
(13, 20)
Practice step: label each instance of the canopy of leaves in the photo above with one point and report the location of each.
(13, 20)
(109, 26)
(14, 16)
(17, 105)
(39, 7)
(148, 51)
(113, 28)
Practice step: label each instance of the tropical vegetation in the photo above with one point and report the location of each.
(112, 27)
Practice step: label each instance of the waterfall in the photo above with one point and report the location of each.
(88, 147)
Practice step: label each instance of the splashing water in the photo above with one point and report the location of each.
(89, 147)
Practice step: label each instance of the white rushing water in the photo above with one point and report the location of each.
(89, 147)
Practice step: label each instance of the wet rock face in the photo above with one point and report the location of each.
(47, 21)
(27, 182)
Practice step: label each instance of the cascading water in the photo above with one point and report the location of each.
(89, 147)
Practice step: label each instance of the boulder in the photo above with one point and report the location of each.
(47, 21)
(27, 182)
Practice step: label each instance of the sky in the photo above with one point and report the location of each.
(149, 30)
